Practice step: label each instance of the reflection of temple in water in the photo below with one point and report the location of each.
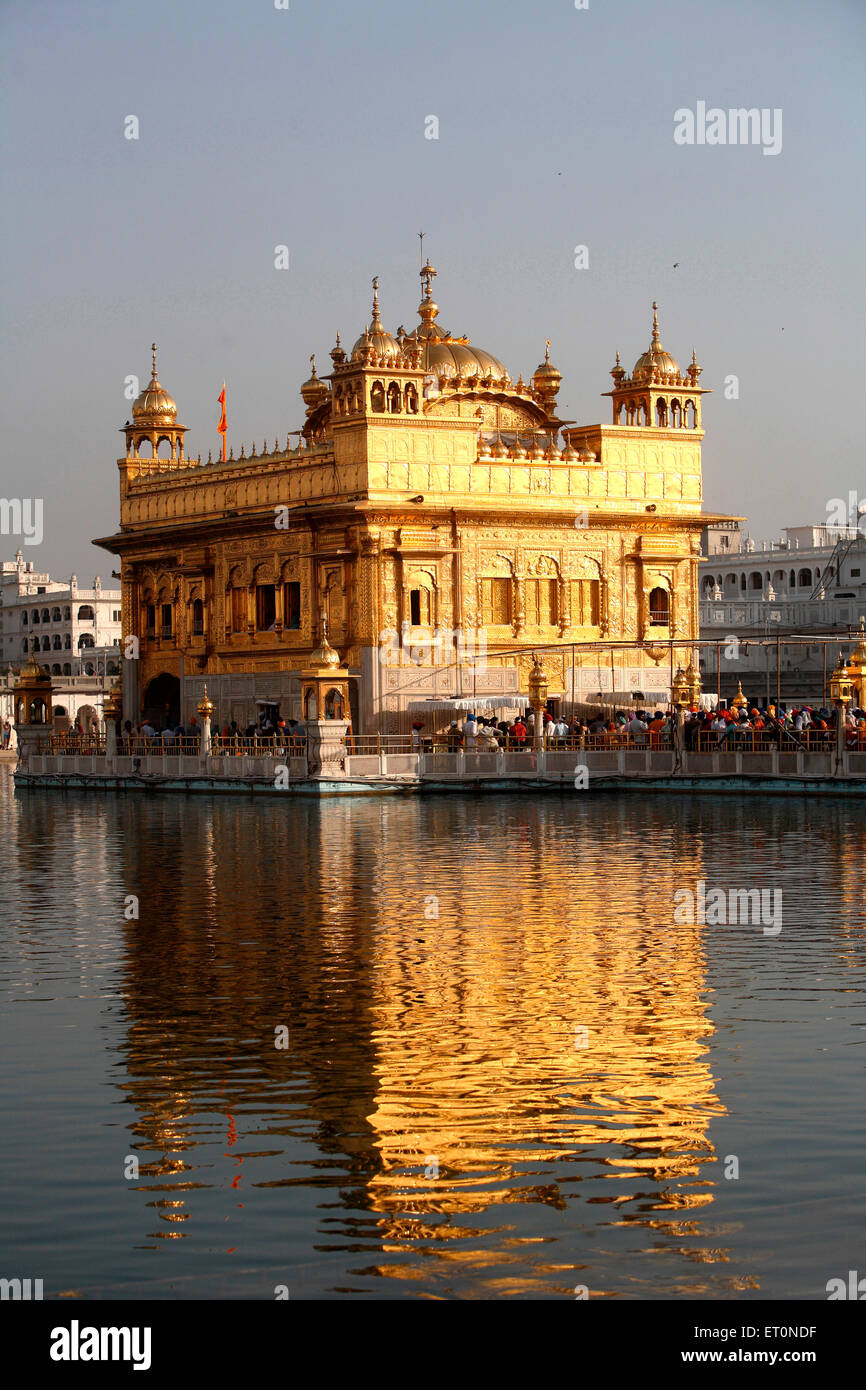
(423, 1044)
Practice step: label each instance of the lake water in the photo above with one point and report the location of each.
(509, 1070)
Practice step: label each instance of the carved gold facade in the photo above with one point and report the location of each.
(442, 518)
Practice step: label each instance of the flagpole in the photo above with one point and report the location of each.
(223, 420)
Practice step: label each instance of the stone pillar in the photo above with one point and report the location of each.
(326, 750)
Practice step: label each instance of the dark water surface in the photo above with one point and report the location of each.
(439, 1125)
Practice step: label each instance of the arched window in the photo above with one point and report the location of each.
(57, 642)
(661, 414)
(377, 397)
(163, 448)
(742, 581)
(197, 617)
(420, 607)
(55, 615)
(88, 668)
(690, 416)
(731, 581)
(55, 669)
(85, 640)
(85, 613)
(67, 669)
(792, 579)
(804, 578)
(659, 608)
(642, 414)
(67, 641)
(394, 405)
(34, 616)
(46, 644)
(145, 449)
(34, 644)
(67, 614)
(411, 396)
(676, 415)
(24, 618)
(46, 616)
(333, 705)
(756, 581)
(26, 646)
(311, 709)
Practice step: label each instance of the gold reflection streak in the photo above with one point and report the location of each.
(475, 1019)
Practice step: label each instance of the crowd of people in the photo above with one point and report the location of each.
(751, 728)
(756, 727)
(280, 734)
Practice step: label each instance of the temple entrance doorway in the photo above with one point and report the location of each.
(161, 703)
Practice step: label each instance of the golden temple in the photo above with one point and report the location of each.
(437, 519)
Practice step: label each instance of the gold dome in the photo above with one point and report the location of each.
(154, 406)
(655, 361)
(858, 656)
(375, 338)
(546, 377)
(446, 356)
(205, 706)
(314, 389)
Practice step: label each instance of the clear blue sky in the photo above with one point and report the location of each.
(306, 127)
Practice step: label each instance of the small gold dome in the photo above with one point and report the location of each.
(154, 406)
(546, 377)
(314, 389)
(570, 454)
(858, 656)
(375, 338)
(655, 361)
(324, 658)
(205, 706)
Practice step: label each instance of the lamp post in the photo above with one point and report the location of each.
(841, 691)
(538, 700)
(204, 710)
(680, 699)
(111, 710)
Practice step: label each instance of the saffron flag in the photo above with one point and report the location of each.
(223, 425)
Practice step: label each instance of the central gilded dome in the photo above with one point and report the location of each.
(447, 356)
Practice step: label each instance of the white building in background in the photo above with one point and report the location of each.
(73, 631)
(810, 583)
(70, 629)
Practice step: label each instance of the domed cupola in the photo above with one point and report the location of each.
(314, 390)
(154, 406)
(655, 364)
(375, 341)
(154, 421)
(546, 380)
(443, 355)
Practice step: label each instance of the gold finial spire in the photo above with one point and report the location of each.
(375, 299)
(656, 338)
(153, 350)
(427, 273)
(547, 350)
(313, 363)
